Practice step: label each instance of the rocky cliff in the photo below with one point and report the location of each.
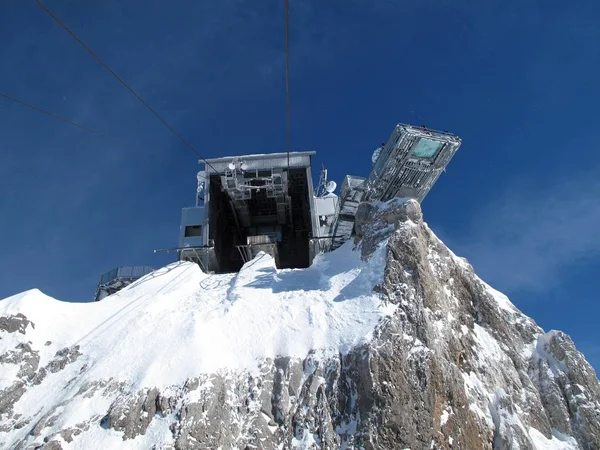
(407, 348)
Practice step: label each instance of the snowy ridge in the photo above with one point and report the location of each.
(178, 322)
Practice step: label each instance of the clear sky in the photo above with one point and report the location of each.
(516, 80)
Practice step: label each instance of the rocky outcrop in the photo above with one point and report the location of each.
(13, 324)
(455, 366)
(568, 388)
(29, 373)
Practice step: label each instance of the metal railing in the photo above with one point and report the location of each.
(124, 272)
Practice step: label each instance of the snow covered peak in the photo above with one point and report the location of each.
(389, 342)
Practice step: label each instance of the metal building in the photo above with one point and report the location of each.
(410, 163)
(252, 203)
(247, 204)
(116, 279)
(406, 166)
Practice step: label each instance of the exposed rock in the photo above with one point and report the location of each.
(569, 388)
(12, 324)
(132, 417)
(8, 397)
(29, 374)
(62, 358)
(24, 356)
(50, 445)
(375, 222)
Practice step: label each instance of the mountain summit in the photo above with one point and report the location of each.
(389, 342)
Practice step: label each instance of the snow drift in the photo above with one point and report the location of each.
(179, 322)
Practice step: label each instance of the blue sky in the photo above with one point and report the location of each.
(516, 80)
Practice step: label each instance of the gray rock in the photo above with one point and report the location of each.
(51, 445)
(132, 415)
(63, 357)
(16, 323)
(29, 374)
(24, 356)
(9, 396)
(576, 380)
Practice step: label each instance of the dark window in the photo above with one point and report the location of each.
(193, 230)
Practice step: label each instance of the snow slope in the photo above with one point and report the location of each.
(178, 322)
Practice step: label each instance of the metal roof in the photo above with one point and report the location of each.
(259, 156)
(264, 161)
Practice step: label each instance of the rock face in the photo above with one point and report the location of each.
(455, 366)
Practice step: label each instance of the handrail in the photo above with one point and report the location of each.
(125, 272)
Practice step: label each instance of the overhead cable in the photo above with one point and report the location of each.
(120, 80)
(287, 79)
(48, 113)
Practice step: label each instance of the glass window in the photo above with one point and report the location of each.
(427, 148)
(193, 230)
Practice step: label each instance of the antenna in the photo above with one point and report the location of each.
(201, 176)
(330, 187)
(322, 182)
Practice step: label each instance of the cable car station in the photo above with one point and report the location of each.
(252, 203)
